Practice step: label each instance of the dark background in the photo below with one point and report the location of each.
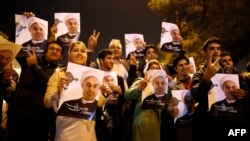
(113, 18)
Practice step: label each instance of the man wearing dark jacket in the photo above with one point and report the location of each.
(28, 118)
(201, 84)
(109, 119)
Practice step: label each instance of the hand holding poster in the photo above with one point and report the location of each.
(78, 98)
(110, 82)
(134, 42)
(183, 102)
(67, 30)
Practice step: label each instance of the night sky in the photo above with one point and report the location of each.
(113, 18)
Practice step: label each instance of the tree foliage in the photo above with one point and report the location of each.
(201, 19)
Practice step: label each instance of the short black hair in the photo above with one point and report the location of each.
(150, 46)
(54, 42)
(209, 41)
(104, 53)
(225, 53)
(179, 58)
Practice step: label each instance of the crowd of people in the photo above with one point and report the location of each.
(120, 113)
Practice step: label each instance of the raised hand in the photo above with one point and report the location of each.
(132, 59)
(32, 58)
(60, 85)
(92, 42)
(53, 31)
(28, 14)
(115, 88)
(143, 84)
(238, 93)
(105, 89)
(212, 68)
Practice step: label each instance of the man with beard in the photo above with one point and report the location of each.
(37, 31)
(109, 119)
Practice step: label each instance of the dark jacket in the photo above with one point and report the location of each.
(201, 117)
(26, 108)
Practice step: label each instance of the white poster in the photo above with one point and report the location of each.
(129, 42)
(165, 32)
(75, 74)
(182, 106)
(192, 65)
(61, 20)
(23, 28)
(216, 93)
(153, 96)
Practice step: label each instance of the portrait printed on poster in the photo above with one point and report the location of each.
(68, 23)
(31, 33)
(171, 40)
(154, 95)
(79, 96)
(217, 93)
(130, 42)
(192, 65)
(109, 79)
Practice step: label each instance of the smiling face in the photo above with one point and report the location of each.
(54, 53)
(78, 53)
(182, 68)
(108, 62)
(227, 61)
(90, 87)
(116, 49)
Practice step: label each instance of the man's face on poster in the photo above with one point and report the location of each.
(108, 80)
(90, 88)
(37, 32)
(139, 44)
(176, 36)
(159, 84)
(228, 86)
(72, 25)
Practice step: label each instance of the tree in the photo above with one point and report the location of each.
(201, 19)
